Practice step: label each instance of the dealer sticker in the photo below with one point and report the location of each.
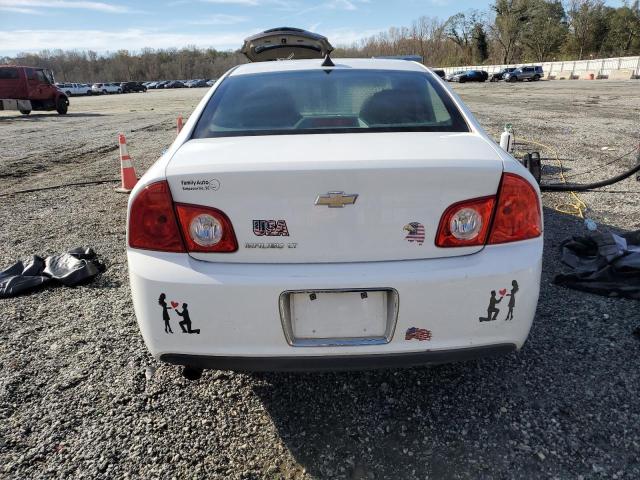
(202, 184)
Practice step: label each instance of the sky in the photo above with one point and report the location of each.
(108, 26)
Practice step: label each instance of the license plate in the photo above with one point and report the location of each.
(339, 317)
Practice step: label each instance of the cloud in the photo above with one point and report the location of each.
(16, 41)
(346, 37)
(27, 6)
(219, 19)
(26, 11)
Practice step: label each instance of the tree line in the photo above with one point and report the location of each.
(514, 31)
(509, 31)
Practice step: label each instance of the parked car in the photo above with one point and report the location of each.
(451, 75)
(104, 88)
(174, 84)
(162, 84)
(496, 77)
(196, 84)
(30, 88)
(129, 87)
(469, 76)
(272, 235)
(439, 72)
(524, 73)
(74, 89)
(211, 82)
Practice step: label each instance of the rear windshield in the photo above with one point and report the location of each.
(332, 101)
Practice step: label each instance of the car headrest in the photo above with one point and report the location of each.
(396, 106)
(269, 107)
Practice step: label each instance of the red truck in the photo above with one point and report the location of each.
(30, 88)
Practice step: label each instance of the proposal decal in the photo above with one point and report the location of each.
(493, 310)
(185, 323)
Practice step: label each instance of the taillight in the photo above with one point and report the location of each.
(153, 224)
(465, 223)
(474, 222)
(517, 215)
(206, 229)
(152, 221)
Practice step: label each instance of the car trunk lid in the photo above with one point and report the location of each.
(334, 197)
(285, 43)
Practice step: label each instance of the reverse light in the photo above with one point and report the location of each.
(152, 221)
(465, 223)
(206, 229)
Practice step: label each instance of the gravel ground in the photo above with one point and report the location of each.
(81, 398)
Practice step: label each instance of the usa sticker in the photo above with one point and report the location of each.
(415, 232)
(270, 228)
(420, 334)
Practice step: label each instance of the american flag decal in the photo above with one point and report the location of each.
(415, 232)
(420, 334)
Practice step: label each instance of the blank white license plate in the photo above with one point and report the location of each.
(339, 314)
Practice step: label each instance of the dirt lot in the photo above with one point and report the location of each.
(81, 398)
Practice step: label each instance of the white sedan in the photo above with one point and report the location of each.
(328, 217)
(104, 88)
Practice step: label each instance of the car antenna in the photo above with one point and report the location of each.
(327, 61)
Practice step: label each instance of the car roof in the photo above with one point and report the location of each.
(316, 64)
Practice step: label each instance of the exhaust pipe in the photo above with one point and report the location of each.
(191, 373)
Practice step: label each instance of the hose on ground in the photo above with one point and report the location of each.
(77, 184)
(568, 187)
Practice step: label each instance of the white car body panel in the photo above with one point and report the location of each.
(236, 305)
(234, 298)
(400, 178)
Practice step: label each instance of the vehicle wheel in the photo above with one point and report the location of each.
(25, 112)
(89, 92)
(68, 93)
(104, 92)
(119, 90)
(513, 79)
(62, 105)
(536, 78)
(462, 80)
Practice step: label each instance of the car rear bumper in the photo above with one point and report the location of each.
(236, 308)
(335, 362)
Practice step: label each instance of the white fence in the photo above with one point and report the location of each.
(601, 67)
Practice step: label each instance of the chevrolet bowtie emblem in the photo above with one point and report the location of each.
(336, 199)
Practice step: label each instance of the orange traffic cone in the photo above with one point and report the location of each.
(128, 173)
(179, 123)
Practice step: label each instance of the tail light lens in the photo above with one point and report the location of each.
(517, 214)
(206, 229)
(474, 222)
(153, 224)
(152, 221)
(465, 223)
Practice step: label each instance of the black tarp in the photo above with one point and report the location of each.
(77, 266)
(603, 263)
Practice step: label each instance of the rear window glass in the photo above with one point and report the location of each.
(341, 101)
(8, 73)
